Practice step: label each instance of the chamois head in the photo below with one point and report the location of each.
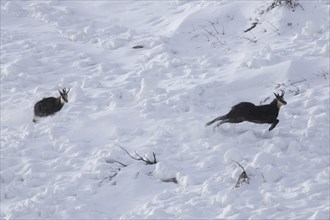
(280, 99)
(64, 95)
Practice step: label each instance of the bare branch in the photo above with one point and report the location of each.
(140, 158)
(124, 165)
(138, 47)
(291, 4)
(251, 40)
(264, 100)
(275, 29)
(243, 177)
(300, 81)
(109, 178)
(212, 23)
(127, 152)
(170, 180)
(254, 24)
(211, 34)
(296, 89)
(207, 31)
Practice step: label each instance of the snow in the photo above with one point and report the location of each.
(196, 62)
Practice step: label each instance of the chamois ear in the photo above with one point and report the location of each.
(275, 95)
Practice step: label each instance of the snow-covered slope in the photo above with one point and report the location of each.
(196, 62)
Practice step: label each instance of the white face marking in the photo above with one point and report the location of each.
(62, 100)
(279, 104)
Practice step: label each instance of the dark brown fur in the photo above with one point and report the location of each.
(246, 111)
(51, 105)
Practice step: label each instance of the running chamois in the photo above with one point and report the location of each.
(247, 111)
(49, 106)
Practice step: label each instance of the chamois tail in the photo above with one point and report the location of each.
(214, 120)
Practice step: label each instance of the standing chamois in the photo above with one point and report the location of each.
(246, 111)
(51, 105)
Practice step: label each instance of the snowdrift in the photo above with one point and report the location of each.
(195, 61)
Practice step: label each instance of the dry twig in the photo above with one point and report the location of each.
(243, 177)
(140, 158)
(212, 34)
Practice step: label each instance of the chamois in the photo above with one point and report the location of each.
(246, 111)
(51, 105)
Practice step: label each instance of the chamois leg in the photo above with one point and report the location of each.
(35, 119)
(214, 120)
(220, 123)
(274, 124)
(227, 119)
